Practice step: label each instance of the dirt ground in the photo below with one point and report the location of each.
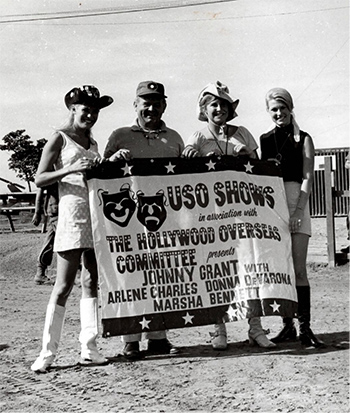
(289, 378)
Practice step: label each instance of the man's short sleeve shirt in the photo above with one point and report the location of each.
(163, 143)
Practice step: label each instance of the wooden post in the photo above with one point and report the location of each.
(9, 217)
(329, 188)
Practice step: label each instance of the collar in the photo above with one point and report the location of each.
(223, 132)
(292, 129)
(284, 130)
(148, 133)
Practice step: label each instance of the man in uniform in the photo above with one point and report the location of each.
(46, 202)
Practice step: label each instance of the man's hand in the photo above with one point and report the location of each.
(121, 154)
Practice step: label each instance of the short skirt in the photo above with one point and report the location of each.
(74, 230)
(292, 193)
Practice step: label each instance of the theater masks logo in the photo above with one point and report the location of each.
(118, 207)
(151, 210)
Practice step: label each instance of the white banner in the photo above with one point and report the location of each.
(185, 242)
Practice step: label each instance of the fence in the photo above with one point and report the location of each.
(340, 181)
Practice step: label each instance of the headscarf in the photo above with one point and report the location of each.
(284, 96)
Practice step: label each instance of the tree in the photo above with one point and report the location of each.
(26, 155)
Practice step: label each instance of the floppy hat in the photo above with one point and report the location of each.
(88, 95)
(149, 87)
(221, 91)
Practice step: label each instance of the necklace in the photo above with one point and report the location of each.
(151, 134)
(217, 141)
(279, 151)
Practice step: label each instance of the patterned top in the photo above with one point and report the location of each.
(74, 222)
(231, 143)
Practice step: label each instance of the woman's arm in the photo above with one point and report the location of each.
(308, 172)
(47, 174)
(192, 146)
(308, 177)
(190, 152)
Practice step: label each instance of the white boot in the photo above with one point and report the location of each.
(257, 335)
(89, 332)
(219, 337)
(51, 336)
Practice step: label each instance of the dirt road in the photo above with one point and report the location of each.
(241, 379)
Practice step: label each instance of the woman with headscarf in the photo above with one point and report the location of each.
(293, 150)
(217, 107)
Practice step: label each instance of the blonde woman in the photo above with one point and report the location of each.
(217, 107)
(66, 156)
(294, 151)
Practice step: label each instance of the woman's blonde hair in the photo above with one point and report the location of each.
(204, 102)
(67, 125)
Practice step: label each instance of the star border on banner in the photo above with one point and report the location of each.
(188, 318)
(127, 169)
(249, 167)
(170, 168)
(232, 312)
(211, 165)
(275, 307)
(144, 323)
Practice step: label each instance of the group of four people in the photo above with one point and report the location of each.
(72, 150)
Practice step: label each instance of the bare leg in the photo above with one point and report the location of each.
(300, 243)
(67, 266)
(89, 275)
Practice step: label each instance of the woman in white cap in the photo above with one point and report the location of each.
(294, 151)
(66, 156)
(217, 107)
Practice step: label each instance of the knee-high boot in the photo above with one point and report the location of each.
(89, 332)
(257, 335)
(51, 336)
(287, 333)
(306, 335)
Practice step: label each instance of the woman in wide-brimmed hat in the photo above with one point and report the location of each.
(66, 157)
(217, 107)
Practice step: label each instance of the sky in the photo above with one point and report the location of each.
(249, 45)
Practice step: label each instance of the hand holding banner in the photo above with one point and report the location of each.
(182, 243)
